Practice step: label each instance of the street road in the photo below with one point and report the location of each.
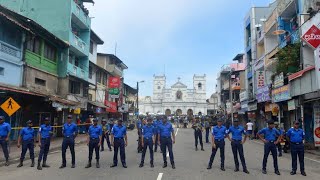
(191, 165)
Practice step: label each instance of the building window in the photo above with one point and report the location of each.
(179, 95)
(76, 62)
(1, 71)
(90, 72)
(10, 34)
(159, 87)
(33, 45)
(74, 87)
(40, 82)
(104, 78)
(90, 97)
(199, 86)
(91, 47)
(50, 52)
(98, 76)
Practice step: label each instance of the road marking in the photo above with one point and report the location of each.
(175, 135)
(159, 176)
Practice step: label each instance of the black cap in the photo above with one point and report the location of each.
(149, 119)
(69, 116)
(219, 120)
(296, 122)
(95, 119)
(29, 122)
(270, 122)
(120, 120)
(1, 117)
(46, 119)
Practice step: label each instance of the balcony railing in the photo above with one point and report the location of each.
(80, 15)
(114, 70)
(283, 5)
(77, 71)
(9, 52)
(79, 45)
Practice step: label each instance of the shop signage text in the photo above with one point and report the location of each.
(281, 94)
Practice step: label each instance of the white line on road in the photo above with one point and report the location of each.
(175, 135)
(159, 176)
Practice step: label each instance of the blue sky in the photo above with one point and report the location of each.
(178, 37)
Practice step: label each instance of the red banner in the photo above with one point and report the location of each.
(114, 82)
(312, 36)
(111, 106)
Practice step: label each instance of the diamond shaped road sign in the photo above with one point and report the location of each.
(10, 106)
(312, 37)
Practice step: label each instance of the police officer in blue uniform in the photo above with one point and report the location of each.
(27, 135)
(70, 132)
(156, 123)
(148, 139)
(237, 144)
(281, 131)
(219, 132)
(296, 136)
(119, 140)
(167, 139)
(271, 137)
(44, 137)
(105, 134)
(94, 137)
(5, 130)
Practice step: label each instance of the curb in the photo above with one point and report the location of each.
(16, 159)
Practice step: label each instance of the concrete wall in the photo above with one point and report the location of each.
(12, 73)
(93, 56)
(51, 84)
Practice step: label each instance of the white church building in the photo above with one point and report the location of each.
(177, 99)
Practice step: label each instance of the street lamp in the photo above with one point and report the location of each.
(137, 109)
(230, 93)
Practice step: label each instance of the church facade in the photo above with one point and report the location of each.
(177, 99)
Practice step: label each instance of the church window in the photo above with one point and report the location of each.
(199, 86)
(159, 87)
(179, 95)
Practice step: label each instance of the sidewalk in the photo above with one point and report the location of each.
(55, 145)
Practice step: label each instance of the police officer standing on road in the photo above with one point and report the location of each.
(271, 139)
(219, 132)
(5, 130)
(27, 134)
(237, 144)
(296, 136)
(94, 142)
(119, 139)
(198, 128)
(167, 139)
(70, 132)
(44, 137)
(148, 139)
(105, 134)
(276, 125)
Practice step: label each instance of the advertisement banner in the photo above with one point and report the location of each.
(111, 106)
(260, 79)
(316, 129)
(243, 96)
(114, 82)
(114, 91)
(317, 64)
(312, 37)
(263, 94)
(291, 105)
(278, 80)
(281, 94)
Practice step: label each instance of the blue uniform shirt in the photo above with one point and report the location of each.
(69, 129)
(296, 135)
(237, 132)
(5, 128)
(270, 134)
(119, 131)
(219, 133)
(95, 131)
(148, 131)
(139, 124)
(45, 131)
(165, 130)
(27, 133)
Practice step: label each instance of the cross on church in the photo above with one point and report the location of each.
(179, 79)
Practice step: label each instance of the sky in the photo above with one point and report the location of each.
(178, 38)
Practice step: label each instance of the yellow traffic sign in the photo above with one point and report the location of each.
(10, 106)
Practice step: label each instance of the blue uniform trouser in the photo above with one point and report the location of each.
(68, 142)
(207, 134)
(44, 149)
(198, 138)
(156, 143)
(94, 145)
(119, 144)
(147, 143)
(27, 144)
(4, 146)
(238, 147)
(270, 147)
(219, 145)
(166, 142)
(297, 150)
(106, 136)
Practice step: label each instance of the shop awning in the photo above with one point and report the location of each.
(19, 90)
(300, 73)
(59, 102)
(98, 104)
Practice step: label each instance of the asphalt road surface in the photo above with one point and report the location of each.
(190, 165)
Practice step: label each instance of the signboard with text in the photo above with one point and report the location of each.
(114, 82)
(312, 37)
(278, 80)
(263, 94)
(281, 94)
(260, 79)
(111, 106)
(316, 129)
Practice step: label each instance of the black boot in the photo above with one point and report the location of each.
(97, 164)
(7, 162)
(44, 165)
(173, 166)
(202, 148)
(141, 165)
(164, 165)
(32, 163)
(39, 166)
(151, 165)
(88, 165)
(20, 164)
(209, 166)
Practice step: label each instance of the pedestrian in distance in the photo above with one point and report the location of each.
(69, 132)
(250, 127)
(5, 130)
(296, 136)
(105, 134)
(207, 127)
(156, 124)
(27, 136)
(148, 139)
(167, 139)
(219, 133)
(94, 137)
(270, 137)
(198, 129)
(44, 138)
(119, 140)
(281, 131)
(237, 144)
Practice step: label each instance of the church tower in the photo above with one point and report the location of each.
(199, 85)
(159, 84)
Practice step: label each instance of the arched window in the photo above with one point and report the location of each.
(199, 86)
